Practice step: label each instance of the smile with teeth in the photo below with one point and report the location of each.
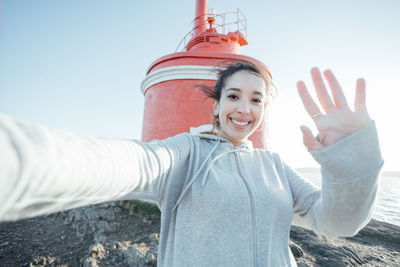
(240, 123)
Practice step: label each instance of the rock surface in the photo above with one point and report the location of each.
(107, 235)
(378, 244)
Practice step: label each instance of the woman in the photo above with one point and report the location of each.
(222, 202)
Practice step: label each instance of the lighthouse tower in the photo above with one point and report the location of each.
(172, 104)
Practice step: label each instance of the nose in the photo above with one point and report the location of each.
(243, 107)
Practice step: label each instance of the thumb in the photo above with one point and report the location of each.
(309, 140)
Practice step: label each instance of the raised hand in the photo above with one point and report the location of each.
(338, 120)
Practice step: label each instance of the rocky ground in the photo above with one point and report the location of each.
(108, 235)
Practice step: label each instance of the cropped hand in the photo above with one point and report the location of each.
(338, 120)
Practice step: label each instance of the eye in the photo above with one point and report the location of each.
(233, 97)
(257, 101)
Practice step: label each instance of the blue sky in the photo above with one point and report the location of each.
(78, 65)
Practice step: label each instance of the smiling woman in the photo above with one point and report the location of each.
(237, 202)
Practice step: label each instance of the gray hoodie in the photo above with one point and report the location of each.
(221, 205)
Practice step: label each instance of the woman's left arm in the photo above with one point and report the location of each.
(349, 170)
(348, 151)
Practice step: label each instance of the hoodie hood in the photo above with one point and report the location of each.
(247, 144)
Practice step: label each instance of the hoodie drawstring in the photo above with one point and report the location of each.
(203, 183)
(204, 178)
(195, 176)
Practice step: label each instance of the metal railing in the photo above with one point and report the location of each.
(223, 23)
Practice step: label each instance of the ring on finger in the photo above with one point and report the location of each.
(316, 115)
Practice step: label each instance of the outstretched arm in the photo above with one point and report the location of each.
(45, 170)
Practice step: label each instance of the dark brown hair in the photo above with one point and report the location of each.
(226, 69)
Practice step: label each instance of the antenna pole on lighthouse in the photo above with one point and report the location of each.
(200, 18)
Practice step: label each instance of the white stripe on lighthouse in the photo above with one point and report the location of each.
(181, 72)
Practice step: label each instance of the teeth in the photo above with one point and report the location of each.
(240, 123)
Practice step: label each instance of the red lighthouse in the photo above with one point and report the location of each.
(172, 104)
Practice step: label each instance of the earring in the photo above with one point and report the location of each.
(215, 119)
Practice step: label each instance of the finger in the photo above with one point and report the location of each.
(322, 93)
(337, 92)
(308, 103)
(360, 101)
(309, 140)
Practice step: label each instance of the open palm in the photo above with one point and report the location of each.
(338, 120)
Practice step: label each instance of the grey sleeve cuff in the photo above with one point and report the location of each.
(352, 156)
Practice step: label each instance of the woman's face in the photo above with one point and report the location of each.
(241, 107)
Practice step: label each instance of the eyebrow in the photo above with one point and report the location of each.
(238, 90)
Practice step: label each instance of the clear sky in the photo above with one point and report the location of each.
(78, 65)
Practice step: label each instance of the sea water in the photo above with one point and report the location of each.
(387, 207)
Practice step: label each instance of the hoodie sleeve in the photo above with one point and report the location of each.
(350, 170)
(44, 170)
